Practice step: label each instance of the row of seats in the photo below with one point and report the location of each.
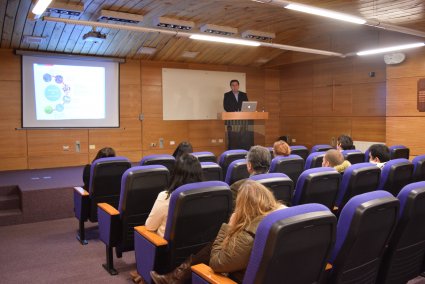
(116, 225)
(377, 239)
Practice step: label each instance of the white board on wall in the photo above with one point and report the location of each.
(195, 94)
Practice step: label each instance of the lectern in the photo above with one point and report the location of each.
(243, 129)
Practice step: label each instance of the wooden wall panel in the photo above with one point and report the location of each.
(408, 131)
(368, 129)
(332, 99)
(10, 67)
(404, 123)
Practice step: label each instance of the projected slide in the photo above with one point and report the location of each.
(64, 92)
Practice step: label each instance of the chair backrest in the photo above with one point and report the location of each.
(366, 156)
(395, 175)
(140, 187)
(403, 257)
(318, 185)
(271, 151)
(364, 228)
(291, 246)
(195, 215)
(166, 160)
(314, 160)
(205, 156)
(353, 156)
(280, 184)
(237, 170)
(211, 171)
(357, 179)
(321, 148)
(399, 151)
(105, 182)
(300, 150)
(419, 168)
(292, 166)
(229, 156)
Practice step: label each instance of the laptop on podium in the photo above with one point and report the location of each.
(250, 106)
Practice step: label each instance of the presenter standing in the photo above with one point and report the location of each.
(233, 99)
(237, 135)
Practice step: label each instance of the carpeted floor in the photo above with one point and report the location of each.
(47, 252)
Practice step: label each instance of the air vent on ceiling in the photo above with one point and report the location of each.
(121, 17)
(164, 22)
(146, 50)
(66, 9)
(258, 35)
(189, 54)
(219, 30)
(32, 39)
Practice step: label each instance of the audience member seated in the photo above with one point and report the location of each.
(258, 162)
(230, 251)
(379, 154)
(187, 170)
(183, 147)
(334, 158)
(103, 153)
(281, 148)
(344, 142)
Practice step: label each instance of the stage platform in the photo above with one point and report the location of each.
(28, 196)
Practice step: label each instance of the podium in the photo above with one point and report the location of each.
(244, 129)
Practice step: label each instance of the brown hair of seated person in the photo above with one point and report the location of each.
(281, 148)
(253, 200)
(345, 142)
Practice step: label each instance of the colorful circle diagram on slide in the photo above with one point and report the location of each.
(54, 93)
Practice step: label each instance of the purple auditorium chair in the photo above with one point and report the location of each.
(419, 168)
(395, 175)
(366, 156)
(229, 156)
(403, 257)
(291, 246)
(321, 148)
(363, 231)
(195, 215)
(353, 156)
(314, 160)
(237, 170)
(166, 160)
(205, 157)
(211, 171)
(140, 187)
(319, 185)
(300, 150)
(292, 166)
(399, 151)
(280, 184)
(357, 179)
(104, 186)
(271, 151)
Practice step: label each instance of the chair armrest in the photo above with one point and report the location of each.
(109, 224)
(209, 276)
(154, 238)
(81, 203)
(149, 249)
(81, 190)
(108, 208)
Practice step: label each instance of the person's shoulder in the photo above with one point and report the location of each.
(162, 195)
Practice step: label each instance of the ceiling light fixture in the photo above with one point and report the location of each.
(390, 49)
(225, 40)
(325, 13)
(40, 7)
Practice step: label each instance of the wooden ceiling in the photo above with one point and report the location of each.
(291, 28)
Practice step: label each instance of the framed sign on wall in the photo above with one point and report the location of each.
(421, 95)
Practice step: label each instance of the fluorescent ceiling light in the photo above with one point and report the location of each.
(325, 13)
(225, 40)
(41, 6)
(390, 49)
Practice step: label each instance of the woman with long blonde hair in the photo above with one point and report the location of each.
(230, 251)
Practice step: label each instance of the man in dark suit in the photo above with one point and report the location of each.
(237, 135)
(233, 100)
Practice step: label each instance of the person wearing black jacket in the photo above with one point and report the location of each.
(233, 99)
